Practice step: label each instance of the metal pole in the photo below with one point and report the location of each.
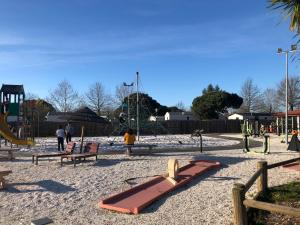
(38, 114)
(128, 109)
(156, 110)
(137, 107)
(286, 98)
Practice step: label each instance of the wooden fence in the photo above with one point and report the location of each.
(240, 203)
(45, 129)
(48, 129)
(188, 126)
(209, 126)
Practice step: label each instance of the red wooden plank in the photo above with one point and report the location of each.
(292, 166)
(137, 198)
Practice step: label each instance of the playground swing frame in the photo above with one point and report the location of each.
(266, 145)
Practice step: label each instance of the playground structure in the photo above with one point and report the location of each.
(14, 127)
(137, 198)
(266, 145)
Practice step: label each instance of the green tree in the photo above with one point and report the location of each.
(214, 101)
(291, 8)
(147, 107)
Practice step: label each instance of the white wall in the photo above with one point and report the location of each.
(235, 117)
(179, 116)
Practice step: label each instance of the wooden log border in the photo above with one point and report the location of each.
(240, 203)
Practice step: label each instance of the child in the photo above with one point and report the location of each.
(129, 139)
(60, 133)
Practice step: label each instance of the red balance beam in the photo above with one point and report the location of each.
(135, 199)
(292, 166)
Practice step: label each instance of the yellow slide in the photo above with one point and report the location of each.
(8, 135)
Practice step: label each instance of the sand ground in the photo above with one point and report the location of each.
(70, 195)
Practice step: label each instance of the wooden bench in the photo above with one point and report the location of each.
(69, 150)
(139, 146)
(3, 173)
(90, 150)
(10, 152)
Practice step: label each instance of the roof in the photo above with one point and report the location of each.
(180, 113)
(290, 113)
(84, 114)
(252, 114)
(12, 89)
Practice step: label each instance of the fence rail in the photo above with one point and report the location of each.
(252, 180)
(239, 194)
(272, 207)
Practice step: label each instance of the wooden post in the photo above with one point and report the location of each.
(262, 183)
(81, 140)
(277, 125)
(239, 210)
(298, 123)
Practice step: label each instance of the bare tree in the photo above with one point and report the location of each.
(64, 98)
(180, 105)
(293, 92)
(251, 97)
(122, 92)
(82, 101)
(97, 98)
(31, 96)
(270, 101)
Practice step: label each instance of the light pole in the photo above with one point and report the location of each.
(156, 109)
(128, 108)
(286, 52)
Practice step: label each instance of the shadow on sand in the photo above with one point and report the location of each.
(40, 186)
(111, 162)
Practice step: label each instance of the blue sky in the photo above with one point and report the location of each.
(178, 47)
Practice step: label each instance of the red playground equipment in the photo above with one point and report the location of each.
(135, 199)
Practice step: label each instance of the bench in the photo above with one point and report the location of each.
(10, 152)
(3, 173)
(90, 150)
(69, 150)
(147, 146)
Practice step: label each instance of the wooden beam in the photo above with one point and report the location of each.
(272, 207)
(271, 166)
(252, 179)
(262, 183)
(239, 210)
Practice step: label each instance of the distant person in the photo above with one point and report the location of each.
(69, 132)
(60, 133)
(129, 137)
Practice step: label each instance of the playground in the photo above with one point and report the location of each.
(70, 195)
(162, 179)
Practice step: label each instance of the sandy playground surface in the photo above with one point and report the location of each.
(70, 195)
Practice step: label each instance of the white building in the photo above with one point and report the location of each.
(251, 116)
(156, 118)
(179, 116)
